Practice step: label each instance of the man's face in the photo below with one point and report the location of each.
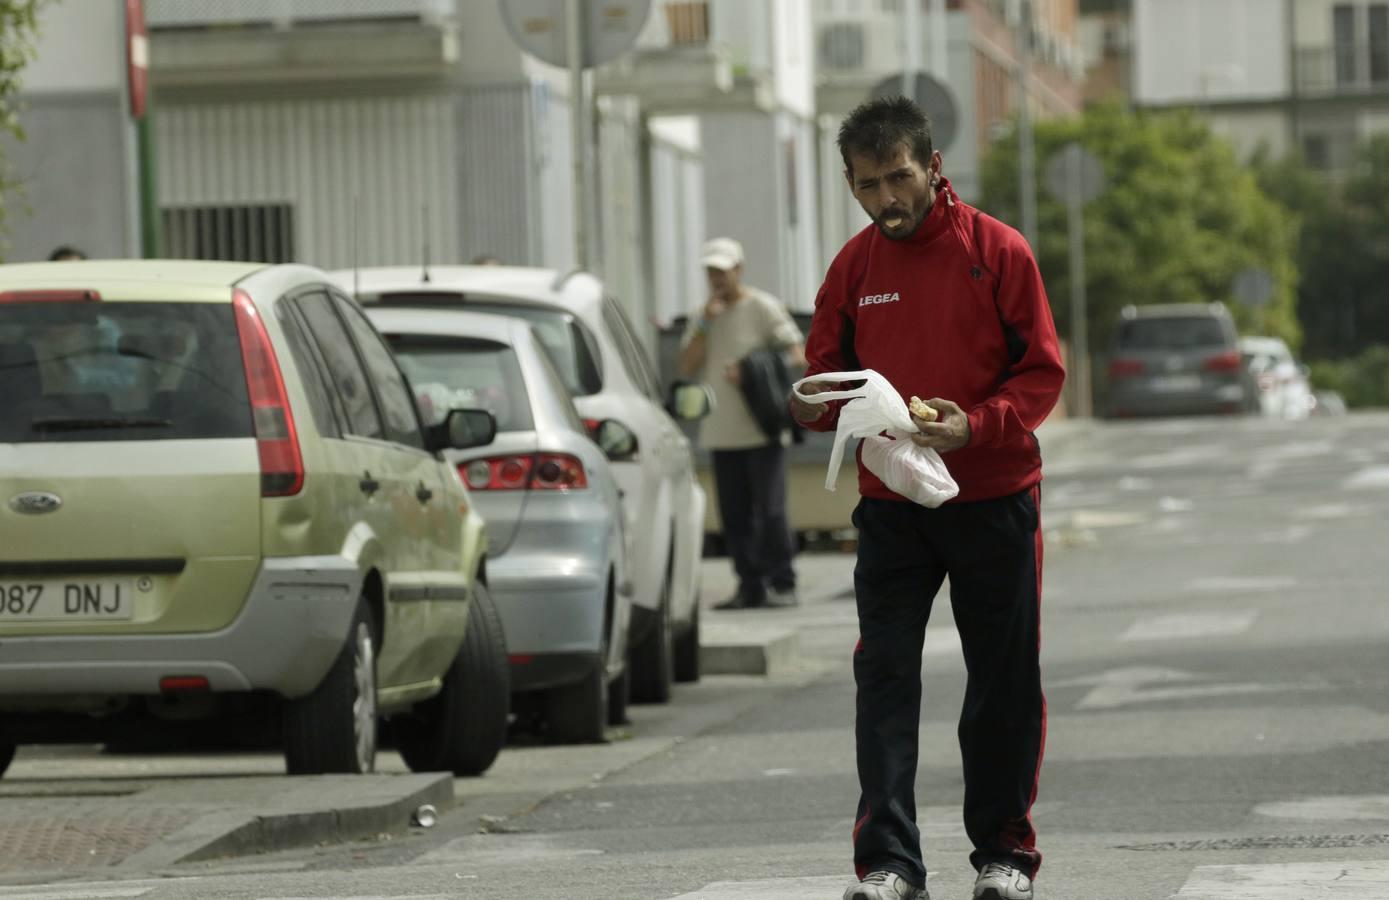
(723, 283)
(897, 192)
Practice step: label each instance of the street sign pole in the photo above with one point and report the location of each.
(578, 107)
(1080, 336)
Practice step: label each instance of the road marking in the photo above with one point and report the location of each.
(773, 889)
(1100, 518)
(67, 892)
(1368, 477)
(1358, 879)
(1123, 687)
(1179, 626)
(1221, 584)
(1328, 809)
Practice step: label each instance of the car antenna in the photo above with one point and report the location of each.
(356, 248)
(425, 212)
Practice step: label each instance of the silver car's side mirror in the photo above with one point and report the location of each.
(690, 401)
(463, 429)
(617, 441)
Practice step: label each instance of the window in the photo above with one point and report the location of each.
(344, 368)
(1316, 148)
(570, 345)
(402, 423)
(310, 372)
(1379, 42)
(630, 350)
(1343, 28)
(113, 371)
(1171, 333)
(262, 233)
(464, 373)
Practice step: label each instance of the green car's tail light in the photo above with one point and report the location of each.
(281, 465)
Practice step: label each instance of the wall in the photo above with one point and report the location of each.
(77, 165)
(1190, 51)
(386, 162)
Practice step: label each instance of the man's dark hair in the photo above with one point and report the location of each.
(878, 127)
(66, 252)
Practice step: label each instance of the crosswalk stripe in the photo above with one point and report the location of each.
(773, 889)
(65, 892)
(1358, 879)
(1189, 625)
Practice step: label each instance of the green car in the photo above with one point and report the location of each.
(218, 506)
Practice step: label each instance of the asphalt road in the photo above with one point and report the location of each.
(1216, 654)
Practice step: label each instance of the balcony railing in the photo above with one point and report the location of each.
(1344, 68)
(284, 13)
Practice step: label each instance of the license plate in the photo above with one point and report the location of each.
(1176, 383)
(72, 599)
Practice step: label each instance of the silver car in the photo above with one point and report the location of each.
(1177, 359)
(556, 561)
(606, 367)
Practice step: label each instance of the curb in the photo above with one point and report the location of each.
(747, 650)
(228, 834)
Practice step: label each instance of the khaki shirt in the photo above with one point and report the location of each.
(756, 321)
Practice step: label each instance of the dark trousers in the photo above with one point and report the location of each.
(991, 550)
(752, 504)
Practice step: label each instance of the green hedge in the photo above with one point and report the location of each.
(1362, 380)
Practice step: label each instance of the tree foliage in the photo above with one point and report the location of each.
(18, 28)
(1343, 250)
(1179, 218)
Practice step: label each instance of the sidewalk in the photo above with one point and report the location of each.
(51, 824)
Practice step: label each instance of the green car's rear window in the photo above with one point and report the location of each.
(109, 371)
(464, 373)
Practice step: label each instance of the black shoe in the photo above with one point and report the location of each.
(742, 601)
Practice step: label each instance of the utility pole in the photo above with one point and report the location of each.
(578, 107)
(1027, 151)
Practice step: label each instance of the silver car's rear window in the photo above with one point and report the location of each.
(109, 371)
(464, 373)
(1174, 333)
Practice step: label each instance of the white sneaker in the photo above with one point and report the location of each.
(885, 886)
(1002, 881)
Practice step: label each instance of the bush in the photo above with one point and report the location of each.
(1362, 380)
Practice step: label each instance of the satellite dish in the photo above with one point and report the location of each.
(934, 97)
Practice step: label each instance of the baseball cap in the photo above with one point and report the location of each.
(722, 253)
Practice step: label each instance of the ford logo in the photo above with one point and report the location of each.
(33, 503)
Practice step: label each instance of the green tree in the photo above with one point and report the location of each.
(18, 28)
(1343, 249)
(1178, 220)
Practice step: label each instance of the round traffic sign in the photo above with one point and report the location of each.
(1074, 169)
(541, 28)
(934, 97)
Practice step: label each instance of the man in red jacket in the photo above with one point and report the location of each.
(947, 303)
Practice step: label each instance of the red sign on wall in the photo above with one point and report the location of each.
(137, 57)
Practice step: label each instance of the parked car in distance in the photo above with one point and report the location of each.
(1328, 403)
(1176, 359)
(1277, 385)
(219, 497)
(556, 559)
(605, 366)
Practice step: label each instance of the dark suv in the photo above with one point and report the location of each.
(1179, 359)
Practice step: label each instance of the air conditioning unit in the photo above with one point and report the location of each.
(865, 45)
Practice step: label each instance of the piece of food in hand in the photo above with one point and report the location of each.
(920, 410)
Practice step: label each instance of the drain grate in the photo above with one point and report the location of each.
(1270, 842)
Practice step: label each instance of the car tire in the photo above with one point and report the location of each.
(333, 729)
(687, 650)
(462, 728)
(578, 713)
(619, 698)
(652, 664)
(7, 751)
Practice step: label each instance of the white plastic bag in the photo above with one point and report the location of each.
(875, 407)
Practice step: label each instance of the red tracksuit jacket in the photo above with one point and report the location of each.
(956, 311)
